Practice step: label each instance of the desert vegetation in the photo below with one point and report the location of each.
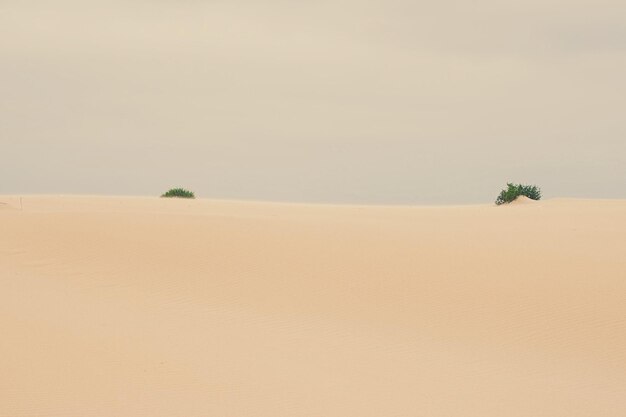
(179, 193)
(515, 190)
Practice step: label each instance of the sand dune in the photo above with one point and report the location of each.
(153, 307)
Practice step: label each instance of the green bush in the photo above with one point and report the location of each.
(179, 192)
(515, 190)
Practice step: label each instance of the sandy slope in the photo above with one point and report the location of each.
(150, 307)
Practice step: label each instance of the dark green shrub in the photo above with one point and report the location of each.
(179, 192)
(515, 190)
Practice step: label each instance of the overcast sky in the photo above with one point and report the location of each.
(383, 101)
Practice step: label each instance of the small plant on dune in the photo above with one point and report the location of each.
(179, 192)
(515, 190)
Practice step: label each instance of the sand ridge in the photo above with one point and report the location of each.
(155, 307)
(10, 203)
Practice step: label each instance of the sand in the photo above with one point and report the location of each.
(148, 307)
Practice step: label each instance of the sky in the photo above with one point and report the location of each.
(374, 102)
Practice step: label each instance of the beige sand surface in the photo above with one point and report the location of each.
(148, 307)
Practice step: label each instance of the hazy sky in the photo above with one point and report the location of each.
(382, 101)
